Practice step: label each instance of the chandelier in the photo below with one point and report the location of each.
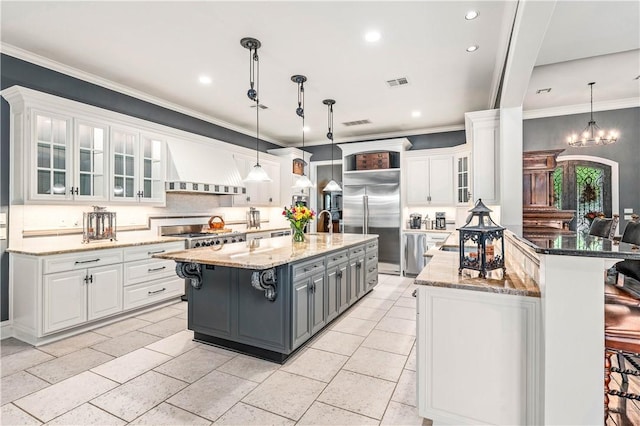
(592, 135)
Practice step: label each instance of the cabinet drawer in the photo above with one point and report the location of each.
(148, 250)
(371, 261)
(356, 251)
(305, 268)
(372, 246)
(337, 257)
(146, 293)
(83, 260)
(146, 270)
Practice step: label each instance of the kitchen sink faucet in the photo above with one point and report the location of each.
(330, 224)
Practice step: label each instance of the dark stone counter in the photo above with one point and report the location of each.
(580, 244)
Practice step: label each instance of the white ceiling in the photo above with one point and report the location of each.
(158, 50)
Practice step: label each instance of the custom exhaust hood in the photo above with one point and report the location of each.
(200, 169)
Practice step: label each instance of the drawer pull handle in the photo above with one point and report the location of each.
(415, 293)
(157, 291)
(156, 269)
(156, 252)
(79, 262)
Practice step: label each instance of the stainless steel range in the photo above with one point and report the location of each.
(196, 237)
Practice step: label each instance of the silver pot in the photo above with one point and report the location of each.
(253, 218)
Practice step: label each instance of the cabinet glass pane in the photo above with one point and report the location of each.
(147, 189)
(118, 187)
(59, 182)
(85, 184)
(118, 164)
(85, 160)
(118, 143)
(98, 185)
(98, 163)
(44, 156)
(44, 182)
(147, 168)
(59, 131)
(43, 128)
(129, 169)
(84, 136)
(59, 157)
(465, 180)
(129, 188)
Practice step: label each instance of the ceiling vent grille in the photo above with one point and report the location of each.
(260, 106)
(397, 82)
(357, 122)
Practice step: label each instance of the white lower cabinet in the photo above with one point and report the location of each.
(480, 344)
(55, 293)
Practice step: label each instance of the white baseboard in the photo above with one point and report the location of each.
(6, 329)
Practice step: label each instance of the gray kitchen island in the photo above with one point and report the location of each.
(268, 297)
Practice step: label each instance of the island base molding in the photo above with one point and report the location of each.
(243, 348)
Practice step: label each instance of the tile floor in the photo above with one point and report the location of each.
(146, 370)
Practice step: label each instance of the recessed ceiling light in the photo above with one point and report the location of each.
(472, 48)
(472, 14)
(415, 114)
(305, 129)
(372, 36)
(204, 79)
(546, 90)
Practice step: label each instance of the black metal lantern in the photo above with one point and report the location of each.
(486, 234)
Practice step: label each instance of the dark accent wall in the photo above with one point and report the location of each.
(426, 141)
(552, 132)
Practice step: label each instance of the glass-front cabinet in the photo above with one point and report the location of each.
(52, 140)
(91, 161)
(152, 155)
(463, 189)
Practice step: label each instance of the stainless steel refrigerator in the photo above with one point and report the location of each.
(371, 205)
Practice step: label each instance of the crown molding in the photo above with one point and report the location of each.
(42, 61)
(581, 108)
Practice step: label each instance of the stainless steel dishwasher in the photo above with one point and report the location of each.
(415, 245)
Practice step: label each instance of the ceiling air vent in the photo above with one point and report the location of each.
(397, 82)
(357, 122)
(260, 105)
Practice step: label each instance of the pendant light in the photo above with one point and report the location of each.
(257, 173)
(592, 135)
(332, 186)
(303, 182)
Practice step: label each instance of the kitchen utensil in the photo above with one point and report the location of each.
(253, 218)
(216, 222)
(415, 220)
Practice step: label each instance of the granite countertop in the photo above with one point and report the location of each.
(266, 229)
(267, 253)
(442, 271)
(580, 244)
(60, 245)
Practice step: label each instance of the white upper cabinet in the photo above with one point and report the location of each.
(483, 133)
(65, 151)
(429, 178)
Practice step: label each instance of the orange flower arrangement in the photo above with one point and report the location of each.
(298, 216)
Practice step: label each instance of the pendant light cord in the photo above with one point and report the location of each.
(257, 66)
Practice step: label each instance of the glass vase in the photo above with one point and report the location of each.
(297, 233)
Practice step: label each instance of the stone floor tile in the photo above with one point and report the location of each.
(316, 364)
(250, 368)
(138, 395)
(168, 415)
(356, 326)
(48, 403)
(385, 294)
(339, 343)
(125, 343)
(158, 315)
(133, 364)
(405, 392)
(18, 385)
(246, 415)
(285, 394)
(221, 351)
(375, 363)
(408, 292)
(192, 365)
(323, 414)
(402, 312)
(358, 393)
(72, 344)
(365, 313)
(182, 305)
(166, 328)
(405, 415)
(86, 414)
(12, 415)
(390, 342)
(69, 365)
(182, 316)
(175, 344)
(11, 345)
(411, 361)
(22, 360)
(122, 327)
(406, 302)
(211, 396)
(372, 302)
(397, 325)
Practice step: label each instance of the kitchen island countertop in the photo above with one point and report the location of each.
(267, 253)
